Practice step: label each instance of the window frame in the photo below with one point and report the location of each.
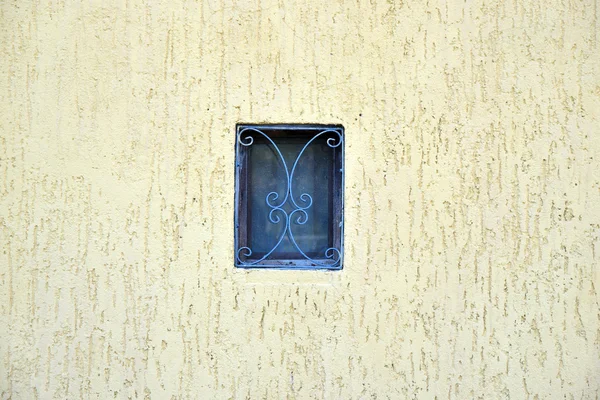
(333, 261)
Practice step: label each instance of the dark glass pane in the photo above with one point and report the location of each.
(289, 196)
(312, 178)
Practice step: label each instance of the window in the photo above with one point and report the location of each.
(289, 196)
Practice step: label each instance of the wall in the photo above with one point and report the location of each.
(472, 200)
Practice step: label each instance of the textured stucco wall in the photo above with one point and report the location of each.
(472, 200)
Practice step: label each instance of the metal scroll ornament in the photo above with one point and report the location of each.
(299, 205)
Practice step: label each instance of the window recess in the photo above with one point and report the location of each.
(289, 196)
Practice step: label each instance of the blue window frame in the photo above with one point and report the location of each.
(289, 196)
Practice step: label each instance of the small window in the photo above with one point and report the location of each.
(289, 196)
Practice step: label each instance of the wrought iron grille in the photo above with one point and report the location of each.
(289, 196)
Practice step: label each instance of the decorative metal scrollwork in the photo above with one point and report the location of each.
(300, 204)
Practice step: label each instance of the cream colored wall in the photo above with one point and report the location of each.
(472, 200)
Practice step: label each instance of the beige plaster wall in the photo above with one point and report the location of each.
(472, 200)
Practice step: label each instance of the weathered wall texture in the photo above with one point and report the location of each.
(472, 200)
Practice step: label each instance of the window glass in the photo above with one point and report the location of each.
(289, 196)
(311, 177)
